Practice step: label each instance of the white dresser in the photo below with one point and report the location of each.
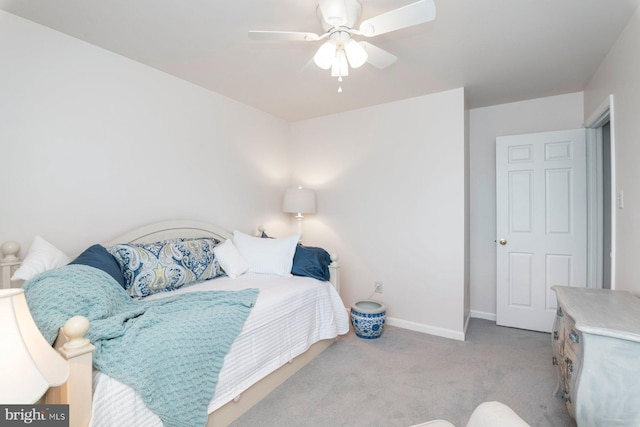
(596, 348)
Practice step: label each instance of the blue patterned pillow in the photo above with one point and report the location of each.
(164, 266)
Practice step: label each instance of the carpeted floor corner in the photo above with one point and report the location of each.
(405, 377)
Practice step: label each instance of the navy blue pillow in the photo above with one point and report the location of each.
(311, 262)
(97, 256)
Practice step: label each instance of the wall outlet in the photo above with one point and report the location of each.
(378, 288)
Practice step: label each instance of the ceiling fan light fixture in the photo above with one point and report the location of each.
(334, 12)
(325, 55)
(338, 19)
(340, 67)
(355, 52)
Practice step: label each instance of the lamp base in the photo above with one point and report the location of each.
(299, 218)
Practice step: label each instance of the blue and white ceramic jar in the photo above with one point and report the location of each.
(367, 318)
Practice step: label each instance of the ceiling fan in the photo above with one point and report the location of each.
(338, 19)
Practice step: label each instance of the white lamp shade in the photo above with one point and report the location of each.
(356, 54)
(299, 200)
(325, 55)
(340, 67)
(28, 364)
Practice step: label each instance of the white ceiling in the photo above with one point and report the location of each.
(500, 50)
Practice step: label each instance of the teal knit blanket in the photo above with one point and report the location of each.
(170, 350)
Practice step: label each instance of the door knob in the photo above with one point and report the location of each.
(502, 242)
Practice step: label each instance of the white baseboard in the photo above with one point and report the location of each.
(434, 330)
(427, 329)
(483, 315)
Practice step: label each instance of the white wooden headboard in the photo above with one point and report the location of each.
(147, 234)
(171, 230)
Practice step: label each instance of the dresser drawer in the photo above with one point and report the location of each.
(572, 342)
(566, 349)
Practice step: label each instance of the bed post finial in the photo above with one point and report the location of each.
(74, 329)
(334, 260)
(9, 251)
(77, 391)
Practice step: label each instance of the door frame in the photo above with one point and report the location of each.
(603, 114)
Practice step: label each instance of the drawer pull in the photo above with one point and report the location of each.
(574, 337)
(559, 312)
(555, 335)
(569, 363)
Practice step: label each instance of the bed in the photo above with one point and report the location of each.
(294, 319)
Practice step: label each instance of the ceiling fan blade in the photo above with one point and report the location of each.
(334, 12)
(283, 35)
(403, 17)
(379, 58)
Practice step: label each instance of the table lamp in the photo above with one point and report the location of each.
(299, 201)
(28, 364)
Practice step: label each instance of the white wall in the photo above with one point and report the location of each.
(619, 74)
(93, 144)
(537, 115)
(391, 202)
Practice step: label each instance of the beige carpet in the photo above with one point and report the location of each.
(406, 377)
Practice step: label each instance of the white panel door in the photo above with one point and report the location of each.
(541, 206)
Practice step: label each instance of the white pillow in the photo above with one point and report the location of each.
(267, 256)
(230, 259)
(42, 256)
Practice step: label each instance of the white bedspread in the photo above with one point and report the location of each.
(290, 315)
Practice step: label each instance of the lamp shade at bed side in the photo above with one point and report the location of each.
(28, 364)
(299, 201)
